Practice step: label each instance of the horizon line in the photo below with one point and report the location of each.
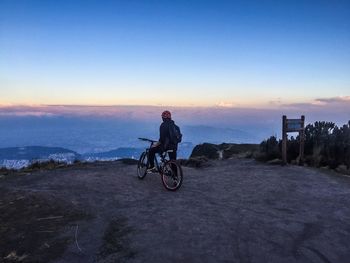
(134, 105)
(269, 105)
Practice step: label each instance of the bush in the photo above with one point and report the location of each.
(238, 150)
(328, 144)
(46, 165)
(325, 145)
(5, 171)
(269, 149)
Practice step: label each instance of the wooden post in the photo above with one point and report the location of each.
(284, 139)
(293, 125)
(302, 141)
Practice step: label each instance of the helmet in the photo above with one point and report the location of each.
(166, 114)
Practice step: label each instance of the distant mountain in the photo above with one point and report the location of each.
(124, 152)
(199, 134)
(18, 157)
(91, 135)
(184, 151)
(36, 152)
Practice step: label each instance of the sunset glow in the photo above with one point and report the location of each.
(179, 53)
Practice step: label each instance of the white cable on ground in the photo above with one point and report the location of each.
(76, 239)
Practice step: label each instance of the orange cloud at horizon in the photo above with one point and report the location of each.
(272, 104)
(318, 109)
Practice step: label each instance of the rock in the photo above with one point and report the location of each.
(207, 150)
(224, 150)
(343, 169)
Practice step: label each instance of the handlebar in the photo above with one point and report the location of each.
(147, 140)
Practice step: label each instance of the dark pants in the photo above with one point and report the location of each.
(159, 149)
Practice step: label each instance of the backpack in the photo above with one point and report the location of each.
(175, 134)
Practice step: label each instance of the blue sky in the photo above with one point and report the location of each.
(181, 53)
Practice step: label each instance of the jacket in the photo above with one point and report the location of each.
(164, 135)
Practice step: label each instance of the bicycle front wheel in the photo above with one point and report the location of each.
(142, 165)
(172, 175)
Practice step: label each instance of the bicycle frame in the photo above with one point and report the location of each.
(156, 163)
(161, 155)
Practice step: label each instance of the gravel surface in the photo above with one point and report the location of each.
(236, 210)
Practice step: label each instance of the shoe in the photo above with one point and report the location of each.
(152, 170)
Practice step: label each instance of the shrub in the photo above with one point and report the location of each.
(325, 145)
(46, 165)
(269, 149)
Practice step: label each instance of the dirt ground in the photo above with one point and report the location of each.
(236, 210)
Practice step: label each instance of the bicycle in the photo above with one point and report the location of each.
(169, 170)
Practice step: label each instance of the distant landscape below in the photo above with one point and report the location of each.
(102, 138)
(90, 136)
(94, 135)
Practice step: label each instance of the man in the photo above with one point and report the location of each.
(164, 142)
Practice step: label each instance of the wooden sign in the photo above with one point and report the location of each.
(293, 125)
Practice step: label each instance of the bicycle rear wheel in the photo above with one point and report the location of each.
(172, 175)
(142, 165)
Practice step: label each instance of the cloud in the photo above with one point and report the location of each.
(319, 103)
(28, 113)
(225, 104)
(24, 110)
(344, 99)
(335, 109)
(275, 102)
(223, 115)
